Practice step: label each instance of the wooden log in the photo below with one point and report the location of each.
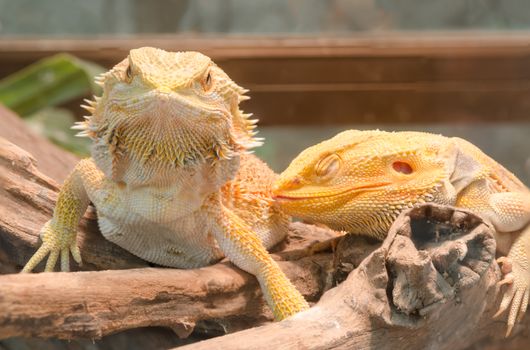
(399, 290)
(427, 286)
(50, 159)
(93, 304)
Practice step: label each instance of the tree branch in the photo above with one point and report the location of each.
(412, 284)
(427, 286)
(92, 304)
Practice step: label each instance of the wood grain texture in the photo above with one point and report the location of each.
(130, 294)
(49, 158)
(398, 78)
(415, 291)
(94, 304)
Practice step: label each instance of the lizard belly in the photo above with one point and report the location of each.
(158, 227)
(185, 243)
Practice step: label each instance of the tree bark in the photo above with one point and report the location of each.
(411, 291)
(93, 304)
(218, 299)
(51, 160)
(431, 284)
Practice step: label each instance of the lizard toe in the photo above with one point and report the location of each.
(56, 243)
(76, 253)
(65, 259)
(508, 279)
(516, 296)
(39, 255)
(52, 260)
(505, 264)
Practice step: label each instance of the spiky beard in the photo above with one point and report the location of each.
(171, 143)
(158, 144)
(153, 136)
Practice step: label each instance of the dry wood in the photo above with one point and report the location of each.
(27, 198)
(445, 44)
(427, 286)
(408, 286)
(50, 159)
(93, 304)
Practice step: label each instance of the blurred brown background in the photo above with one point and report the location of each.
(315, 67)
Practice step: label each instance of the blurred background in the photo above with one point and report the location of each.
(314, 68)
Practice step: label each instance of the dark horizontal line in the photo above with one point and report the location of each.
(493, 85)
(447, 44)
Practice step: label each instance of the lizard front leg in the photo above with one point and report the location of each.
(511, 212)
(516, 269)
(243, 247)
(59, 234)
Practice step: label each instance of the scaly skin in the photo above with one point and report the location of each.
(360, 181)
(171, 176)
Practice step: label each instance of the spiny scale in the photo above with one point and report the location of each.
(161, 171)
(446, 171)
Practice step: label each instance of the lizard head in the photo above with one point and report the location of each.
(359, 181)
(166, 110)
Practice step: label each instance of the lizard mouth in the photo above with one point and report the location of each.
(293, 197)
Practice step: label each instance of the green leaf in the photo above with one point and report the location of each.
(49, 82)
(55, 124)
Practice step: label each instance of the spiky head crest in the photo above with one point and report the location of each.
(166, 110)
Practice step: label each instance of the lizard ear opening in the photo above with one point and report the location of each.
(402, 167)
(466, 169)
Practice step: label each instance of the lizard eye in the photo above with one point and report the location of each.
(207, 82)
(129, 73)
(402, 167)
(328, 166)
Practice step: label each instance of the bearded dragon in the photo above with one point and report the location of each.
(360, 181)
(171, 175)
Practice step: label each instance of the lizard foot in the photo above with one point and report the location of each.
(55, 242)
(283, 297)
(290, 305)
(517, 294)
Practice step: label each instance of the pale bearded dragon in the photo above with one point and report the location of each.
(171, 176)
(360, 181)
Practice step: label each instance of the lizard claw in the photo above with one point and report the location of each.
(505, 264)
(508, 279)
(39, 255)
(76, 253)
(55, 243)
(517, 294)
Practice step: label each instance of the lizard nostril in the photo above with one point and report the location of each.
(279, 188)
